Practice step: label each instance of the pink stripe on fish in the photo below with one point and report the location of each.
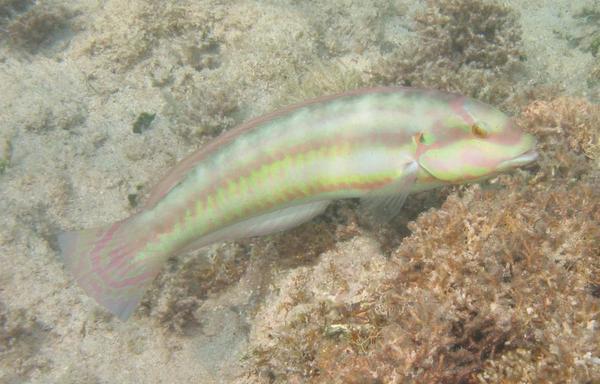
(337, 146)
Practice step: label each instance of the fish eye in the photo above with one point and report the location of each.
(479, 131)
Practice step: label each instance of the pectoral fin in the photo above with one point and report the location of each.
(385, 204)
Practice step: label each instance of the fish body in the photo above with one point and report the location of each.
(277, 171)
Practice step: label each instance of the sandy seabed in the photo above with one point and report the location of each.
(498, 282)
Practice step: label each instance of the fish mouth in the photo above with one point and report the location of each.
(523, 159)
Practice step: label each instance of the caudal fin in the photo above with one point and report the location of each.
(112, 264)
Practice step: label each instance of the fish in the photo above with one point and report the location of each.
(280, 170)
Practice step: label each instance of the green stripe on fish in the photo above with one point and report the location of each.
(280, 170)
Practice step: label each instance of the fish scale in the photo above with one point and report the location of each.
(280, 170)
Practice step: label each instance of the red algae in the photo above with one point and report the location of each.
(500, 284)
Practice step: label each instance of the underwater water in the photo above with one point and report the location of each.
(491, 282)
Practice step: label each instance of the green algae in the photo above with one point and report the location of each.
(143, 121)
(5, 153)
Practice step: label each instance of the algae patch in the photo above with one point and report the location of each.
(143, 121)
(589, 39)
(33, 26)
(472, 47)
(5, 150)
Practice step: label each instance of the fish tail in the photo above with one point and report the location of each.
(113, 264)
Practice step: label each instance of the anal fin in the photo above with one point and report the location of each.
(268, 223)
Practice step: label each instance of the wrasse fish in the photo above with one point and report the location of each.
(280, 170)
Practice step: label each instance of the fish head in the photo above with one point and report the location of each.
(472, 141)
